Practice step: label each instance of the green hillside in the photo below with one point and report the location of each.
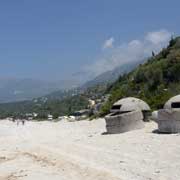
(58, 103)
(154, 81)
(55, 107)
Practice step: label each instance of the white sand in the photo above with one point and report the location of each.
(78, 151)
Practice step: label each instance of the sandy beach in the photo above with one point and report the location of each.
(79, 151)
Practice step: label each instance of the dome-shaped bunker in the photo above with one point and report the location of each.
(131, 104)
(173, 103)
(126, 114)
(168, 119)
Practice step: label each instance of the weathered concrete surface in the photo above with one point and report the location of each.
(168, 121)
(124, 122)
(130, 104)
(168, 104)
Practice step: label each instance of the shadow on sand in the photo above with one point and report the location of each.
(156, 131)
(105, 133)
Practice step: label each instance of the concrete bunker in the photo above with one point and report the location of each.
(168, 118)
(132, 104)
(126, 114)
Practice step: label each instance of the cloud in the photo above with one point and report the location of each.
(132, 51)
(108, 43)
(158, 37)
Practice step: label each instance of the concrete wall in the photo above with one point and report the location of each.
(124, 122)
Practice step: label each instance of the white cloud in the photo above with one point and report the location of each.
(108, 43)
(134, 50)
(158, 36)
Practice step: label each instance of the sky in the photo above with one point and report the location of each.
(56, 39)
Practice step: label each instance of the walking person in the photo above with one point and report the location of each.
(23, 122)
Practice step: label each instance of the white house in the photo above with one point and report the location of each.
(50, 117)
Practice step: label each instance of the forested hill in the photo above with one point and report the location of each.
(57, 103)
(154, 81)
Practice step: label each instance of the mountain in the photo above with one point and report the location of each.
(26, 89)
(112, 76)
(62, 102)
(154, 81)
(101, 80)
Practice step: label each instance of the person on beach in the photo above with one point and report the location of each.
(23, 122)
(17, 122)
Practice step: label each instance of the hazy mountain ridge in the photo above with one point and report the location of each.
(103, 79)
(27, 89)
(63, 102)
(112, 76)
